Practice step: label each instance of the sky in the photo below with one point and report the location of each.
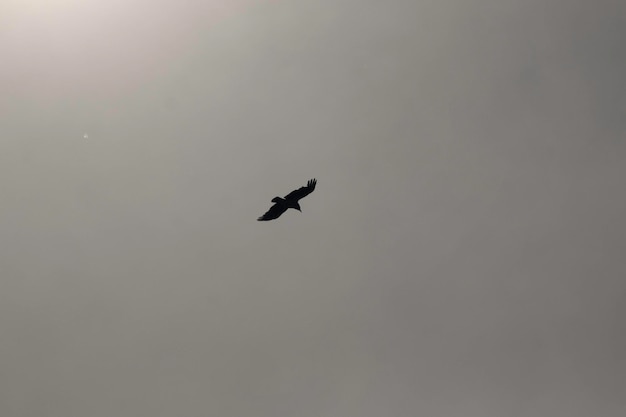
(462, 255)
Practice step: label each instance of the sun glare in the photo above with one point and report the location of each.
(101, 47)
(40, 5)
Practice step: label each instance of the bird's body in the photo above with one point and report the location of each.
(289, 201)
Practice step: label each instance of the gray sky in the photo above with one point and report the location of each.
(463, 254)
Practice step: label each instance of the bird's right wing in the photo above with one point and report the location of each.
(273, 213)
(302, 191)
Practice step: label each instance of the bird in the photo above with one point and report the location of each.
(289, 201)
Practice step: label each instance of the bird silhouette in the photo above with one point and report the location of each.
(289, 201)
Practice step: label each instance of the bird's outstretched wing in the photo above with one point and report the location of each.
(302, 191)
(273, 213)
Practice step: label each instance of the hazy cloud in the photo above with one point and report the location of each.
(462, 254)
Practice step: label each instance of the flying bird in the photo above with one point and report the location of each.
(289, 201)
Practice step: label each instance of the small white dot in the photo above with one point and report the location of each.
(85, 136)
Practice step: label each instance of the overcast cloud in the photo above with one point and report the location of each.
(462, 255)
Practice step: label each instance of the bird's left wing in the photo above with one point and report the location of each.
(273, 213)
(302, 191)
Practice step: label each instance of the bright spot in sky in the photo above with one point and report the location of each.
(86, 136)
